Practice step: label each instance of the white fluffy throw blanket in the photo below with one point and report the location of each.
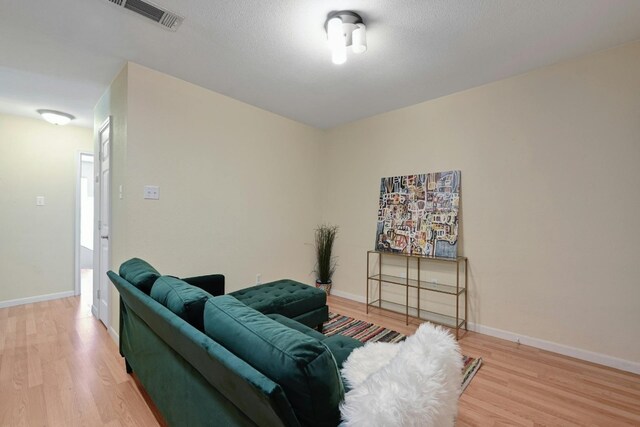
(412, 383)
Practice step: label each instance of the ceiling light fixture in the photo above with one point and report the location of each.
(56, 117)
(344, 29)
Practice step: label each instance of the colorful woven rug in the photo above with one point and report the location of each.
(365, 332)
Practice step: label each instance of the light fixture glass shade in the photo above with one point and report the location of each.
(335, 34)
(339, 53)
(56, 117)
(359, 35)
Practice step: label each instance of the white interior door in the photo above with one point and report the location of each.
(104, 222)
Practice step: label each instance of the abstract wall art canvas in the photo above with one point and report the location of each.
(418, 214)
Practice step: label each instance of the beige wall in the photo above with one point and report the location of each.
(238, 185)
(37, 242)
(550, 200)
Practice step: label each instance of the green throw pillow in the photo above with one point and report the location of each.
(300, 364)
(181, 298)
(139, 273)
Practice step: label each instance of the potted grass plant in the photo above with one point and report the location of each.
(325, 261)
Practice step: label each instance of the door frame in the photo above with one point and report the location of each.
(97, 266)
(78, 216)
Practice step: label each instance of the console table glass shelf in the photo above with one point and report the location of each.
(413, 264)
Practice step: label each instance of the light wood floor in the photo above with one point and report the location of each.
(59, 367)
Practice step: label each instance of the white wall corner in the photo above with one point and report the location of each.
(37, 298)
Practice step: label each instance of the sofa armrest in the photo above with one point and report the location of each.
(212, 283)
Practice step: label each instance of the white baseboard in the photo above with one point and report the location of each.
(589, 356)
(114, 335)
(347, 295)
(94, 311)
(37, 298)
(578, 353)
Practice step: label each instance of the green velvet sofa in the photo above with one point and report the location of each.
(212, 360)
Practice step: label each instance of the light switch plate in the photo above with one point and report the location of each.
(39, 200)
(151, 192)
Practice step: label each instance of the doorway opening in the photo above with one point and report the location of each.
(84, 232)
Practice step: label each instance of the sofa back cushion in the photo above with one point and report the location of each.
(139, 273)
(300, 364)
(181, 298)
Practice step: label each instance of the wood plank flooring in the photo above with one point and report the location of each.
(59, 367)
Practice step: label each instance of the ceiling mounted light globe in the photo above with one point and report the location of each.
(345, 28)
(56, 117)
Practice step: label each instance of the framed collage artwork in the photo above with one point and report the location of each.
(418, 214)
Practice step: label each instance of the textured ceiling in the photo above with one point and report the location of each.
(273, 54)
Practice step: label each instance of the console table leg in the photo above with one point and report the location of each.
(466, 295)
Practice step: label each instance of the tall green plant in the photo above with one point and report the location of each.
(325, 262)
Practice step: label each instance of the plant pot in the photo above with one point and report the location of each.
(324, 286)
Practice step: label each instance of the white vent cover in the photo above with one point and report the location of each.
(151, 11)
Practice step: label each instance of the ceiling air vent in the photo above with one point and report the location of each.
(151, 11)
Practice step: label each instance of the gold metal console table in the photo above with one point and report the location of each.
(420, 285)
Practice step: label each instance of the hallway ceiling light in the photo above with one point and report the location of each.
(56, 117)
(344, 29)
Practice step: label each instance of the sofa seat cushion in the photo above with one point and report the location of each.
(341, 347)
(139, 273)
(181, 298)
(300, 364)
(286, 297)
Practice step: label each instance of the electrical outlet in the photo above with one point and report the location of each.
(39, 200)
(434, 281)
(258, 279)
(152, 192)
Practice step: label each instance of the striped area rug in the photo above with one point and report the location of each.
(365, 332)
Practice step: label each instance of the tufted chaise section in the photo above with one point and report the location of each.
(289, 298)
